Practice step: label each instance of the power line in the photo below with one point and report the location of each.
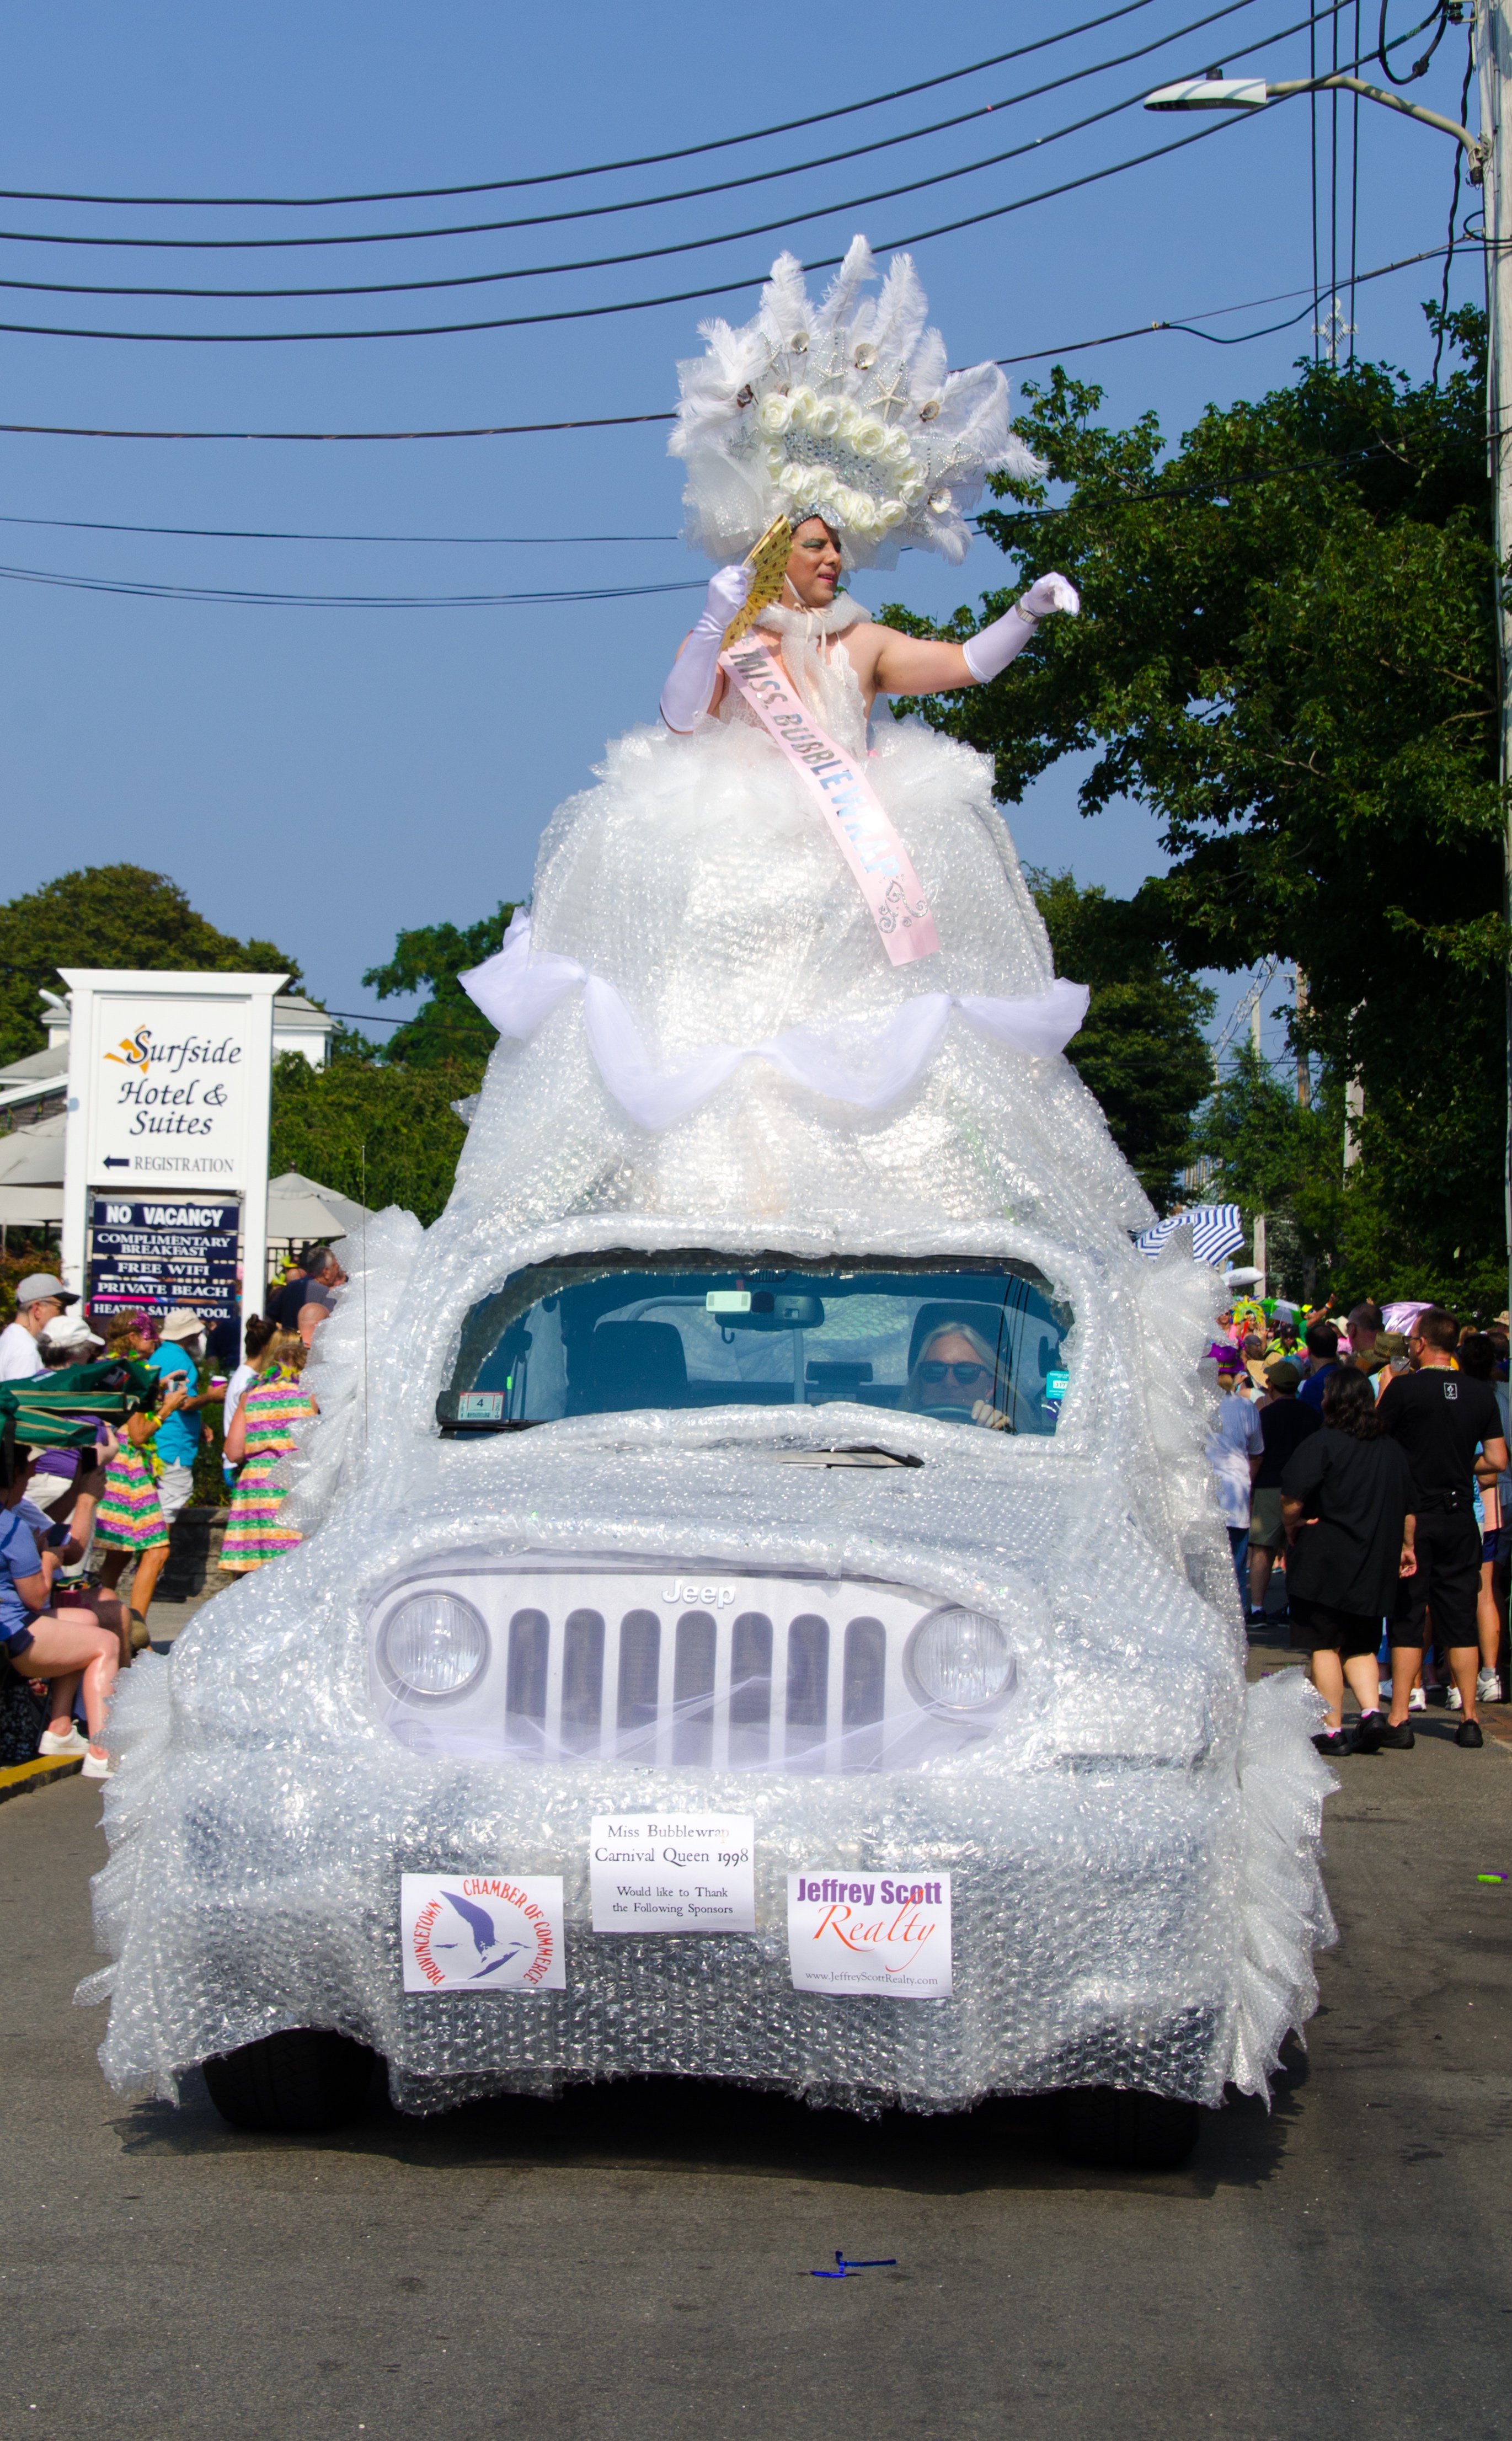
(1143, 330)
(600, 211)
(1219, 483)
(594, 262)
(591, 263)
(594, 170)
(248, 596)
(1454, 197)
(430, 432)
(668, 415)
(628, 305)
(273, 533)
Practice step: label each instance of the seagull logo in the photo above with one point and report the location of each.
(493, 1955)
(135, 1050)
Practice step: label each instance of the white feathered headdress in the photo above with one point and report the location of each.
(844, 411)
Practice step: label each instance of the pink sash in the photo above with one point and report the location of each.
(870, 844)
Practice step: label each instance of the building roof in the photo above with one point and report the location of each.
(51, 1060)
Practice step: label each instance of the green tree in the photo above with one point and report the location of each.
(379, 1118)
(1140, 1049)
(449, 1026)
(1287, 650)
(365, 1125)
(109, 915)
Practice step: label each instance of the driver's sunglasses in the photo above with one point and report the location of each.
(934, 1371)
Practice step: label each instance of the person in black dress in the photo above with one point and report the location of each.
(1347, 1502)
(1450, 1429)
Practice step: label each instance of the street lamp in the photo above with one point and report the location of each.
(1491, 165)
(1214, 91)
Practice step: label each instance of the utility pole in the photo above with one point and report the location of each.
(1490, 157)
(1493, 42)
(1303, 1070)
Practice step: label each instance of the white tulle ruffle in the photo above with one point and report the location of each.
(517, 992)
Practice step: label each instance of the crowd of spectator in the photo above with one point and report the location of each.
(1369, 1468)
(73, 1523)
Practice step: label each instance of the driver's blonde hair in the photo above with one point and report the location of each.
(913, 1396)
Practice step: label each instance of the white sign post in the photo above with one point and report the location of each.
(170, 1084)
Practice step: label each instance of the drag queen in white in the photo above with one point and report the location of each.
(700, 899)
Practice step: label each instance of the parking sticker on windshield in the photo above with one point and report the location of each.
(673, 1872)
(481, 1932)
(851, 1931)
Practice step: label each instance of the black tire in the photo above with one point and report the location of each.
(1112, 2127)
(292, 2084)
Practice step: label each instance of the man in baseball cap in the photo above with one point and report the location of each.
(39, 1300)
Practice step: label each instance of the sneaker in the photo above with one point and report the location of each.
(1467, 1734)
(69, 1743)
(96, 1767)
(1453, 1700)
(1385, 1690)
(1370, 1732)
(1397, 1733)
(1331, 1741)
(1417, 1701)
(1487, 1687)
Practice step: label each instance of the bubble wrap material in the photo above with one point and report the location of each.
(1133, 1848)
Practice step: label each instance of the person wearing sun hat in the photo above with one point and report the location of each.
(176, 1442)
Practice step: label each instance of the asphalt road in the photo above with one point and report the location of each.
(632, 2265)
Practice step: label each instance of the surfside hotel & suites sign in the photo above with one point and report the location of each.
(170, 1078)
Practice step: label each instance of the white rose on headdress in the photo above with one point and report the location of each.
(826, 419)
(801, 405)
(911, 489)
(821, 483)
(869, 437)
(774, 412)
(889, 513)
(898, 452)
(793, 479)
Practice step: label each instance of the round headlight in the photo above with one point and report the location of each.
(434, 1644)
(960, 1660)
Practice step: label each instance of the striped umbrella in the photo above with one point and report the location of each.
(1216, 1231)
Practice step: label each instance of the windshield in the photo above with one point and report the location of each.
(974, 1342)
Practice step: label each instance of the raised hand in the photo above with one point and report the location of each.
(1049, 594)
(989, 653)
(727, 588)
(690, 680)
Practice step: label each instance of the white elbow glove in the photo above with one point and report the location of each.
(690, 680)
(992, 651)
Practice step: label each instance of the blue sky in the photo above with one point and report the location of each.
(323, 777)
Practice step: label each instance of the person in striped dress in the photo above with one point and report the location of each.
(265, 1430)
(128, 1523)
